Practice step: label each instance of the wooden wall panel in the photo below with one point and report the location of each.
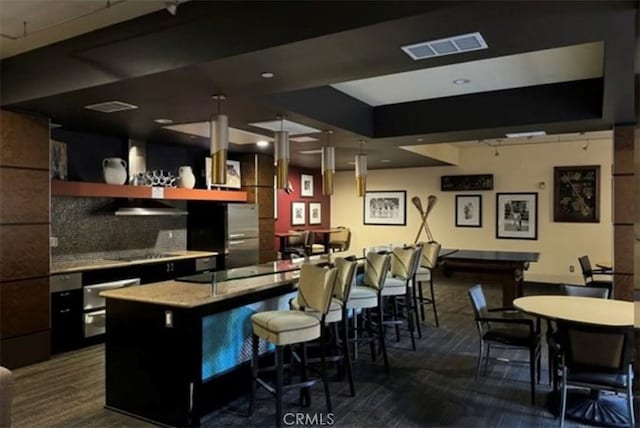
(25, 196)
(623, 287)
(267, 228)
(623, 146)
(268, 256)
(25, 140)
(23, 350)
(265, 171)
(24, 307)
(24, 252)
(265, 202)
(624, 199)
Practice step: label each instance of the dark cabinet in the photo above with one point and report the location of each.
(167, 270)
(66, 320)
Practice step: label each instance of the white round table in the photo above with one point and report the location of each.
(586, 310)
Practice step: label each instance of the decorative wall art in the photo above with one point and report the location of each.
(576, 194)
(315, 213)
(298, 217)
(468, 210)
(516, 215)
(466, 182)
(306, 185)
(59, 167)
(233, 174)
(385, 208)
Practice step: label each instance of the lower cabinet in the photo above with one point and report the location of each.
(155, 272)
(66, 320)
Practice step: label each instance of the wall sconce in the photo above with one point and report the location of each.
(328, 166)
(219, 137)
(361, 171)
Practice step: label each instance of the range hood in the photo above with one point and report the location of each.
(131, 207)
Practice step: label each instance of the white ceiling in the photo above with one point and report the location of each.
(52, 21)
(564, 64)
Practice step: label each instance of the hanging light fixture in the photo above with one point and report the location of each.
(282, 156)
(328, 166)
(219, 137)
(361, 171)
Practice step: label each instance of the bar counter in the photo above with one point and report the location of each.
(176, 350)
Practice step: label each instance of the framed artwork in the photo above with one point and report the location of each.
(466, 182)
(468, 210)
(315, 213)
(517, 216)
(576, 194)
(233, 174)
(385, 208)
(306, 185)
(58, 160)
(298, 217)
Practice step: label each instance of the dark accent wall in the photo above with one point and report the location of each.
(24, 239)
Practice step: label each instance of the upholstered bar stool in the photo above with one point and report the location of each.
(404, 263)
(368, 296)
(282, 328)
(337, 310)
(428, 263)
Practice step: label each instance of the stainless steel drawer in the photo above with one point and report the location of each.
(64, 282)
(94, 323)
(205, 263)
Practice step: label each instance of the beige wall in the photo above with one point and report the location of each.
(516, 169)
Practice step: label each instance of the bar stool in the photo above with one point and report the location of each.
(404, 263)
(338, 310)
(428, 263)
(282, 328)
(369, 296)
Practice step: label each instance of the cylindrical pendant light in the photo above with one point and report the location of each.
(328, 166)
(361, 172)
(219, 137)
(282, 157)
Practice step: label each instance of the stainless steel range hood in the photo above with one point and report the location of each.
(137, 207)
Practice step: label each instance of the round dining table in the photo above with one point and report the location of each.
(594, 407)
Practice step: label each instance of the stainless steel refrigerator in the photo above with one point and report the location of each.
(241, 241)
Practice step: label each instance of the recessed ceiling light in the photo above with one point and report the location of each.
(267, 75)
(385, 160)
(420, 140)
(311, 152)
(262, 143)
(525, 134)
(461, 81)
(163, 121)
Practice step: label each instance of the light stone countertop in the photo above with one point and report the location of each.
(84, 265)
(190, 295)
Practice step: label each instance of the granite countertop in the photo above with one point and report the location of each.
(84, 265)
(190, 295)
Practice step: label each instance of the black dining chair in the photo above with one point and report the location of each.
(590, 275)
(506, 328)
(598, 358)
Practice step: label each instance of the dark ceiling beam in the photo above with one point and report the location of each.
(560, 102)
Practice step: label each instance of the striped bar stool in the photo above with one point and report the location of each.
(337, 310)
(404, 263)
(428, 263)
(282, 328)
(369, 296)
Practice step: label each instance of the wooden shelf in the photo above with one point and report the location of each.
(100, 190)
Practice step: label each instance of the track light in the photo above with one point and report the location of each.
(328, 166)
(361, 171)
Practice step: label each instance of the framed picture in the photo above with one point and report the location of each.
(315, 213)
(385, 208)
(516, 215)
(233, 174)
(466, 182)
(468, 210)
(576, 194)
(306, 185)
(58, 160)
(297, 213)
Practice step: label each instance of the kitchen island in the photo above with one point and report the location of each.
(176, 350)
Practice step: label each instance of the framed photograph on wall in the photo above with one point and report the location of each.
(233, 174)
(385, 208)
(298, 216)
(315, 213)
(468, 210)
(576, 194)
(306, 185)
(517, 216)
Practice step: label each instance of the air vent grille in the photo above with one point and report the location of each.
(448, 46)
(111, 106)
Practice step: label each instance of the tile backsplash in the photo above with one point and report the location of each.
(86, 228)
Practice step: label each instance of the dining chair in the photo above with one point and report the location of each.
(506, 328)
(428, 263)
(589, 274)
(340, 240)
(296, 245)
(598, 358)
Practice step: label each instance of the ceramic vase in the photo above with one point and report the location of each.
(114, 171)
(186, 179)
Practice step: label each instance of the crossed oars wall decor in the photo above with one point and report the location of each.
(431, 201)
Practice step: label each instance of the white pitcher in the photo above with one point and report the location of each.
(114, 171)
(186, 178)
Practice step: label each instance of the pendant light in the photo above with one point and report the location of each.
(282, 156)
(328, 166)
(361, 171)
(219, 138)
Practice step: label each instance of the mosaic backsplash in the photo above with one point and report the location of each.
(86, 228)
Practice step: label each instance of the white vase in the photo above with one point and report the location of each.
(114, 171)
(186, 179)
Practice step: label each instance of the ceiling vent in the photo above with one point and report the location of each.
(111, 106)
(448, 46)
